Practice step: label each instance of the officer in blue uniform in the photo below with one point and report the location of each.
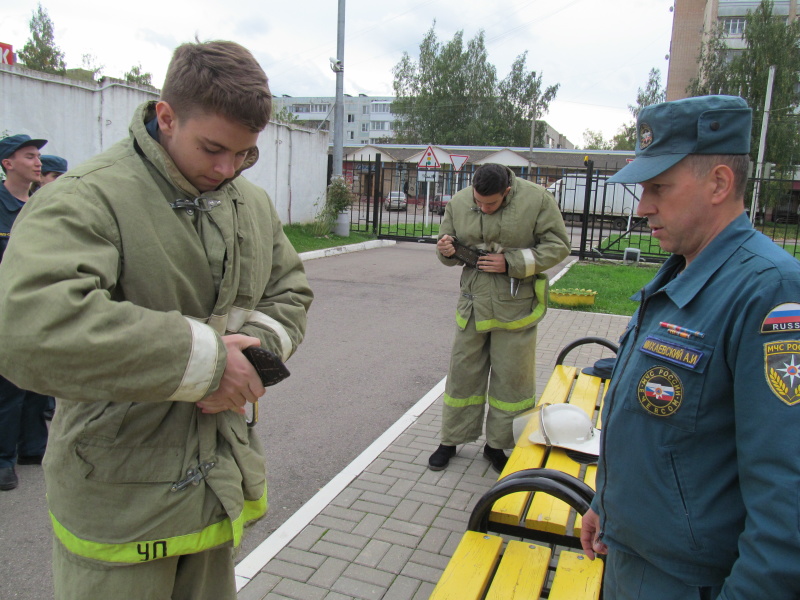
(23, 431)
(698, 488)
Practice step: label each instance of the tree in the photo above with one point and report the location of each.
(653, 93)
(593, 140)
(284, 115)
(40, 51)
(768, 41)
(136, 75)
(451, 95)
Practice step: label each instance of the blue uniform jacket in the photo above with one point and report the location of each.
(9, 209)
(700, 465)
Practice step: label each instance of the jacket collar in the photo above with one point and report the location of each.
(681, 290)
(158, 157)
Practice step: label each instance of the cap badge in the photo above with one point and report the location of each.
(645, 136)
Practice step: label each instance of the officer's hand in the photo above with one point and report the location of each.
(445, 246)
(492, 263)
(590, 529)
(240, 383)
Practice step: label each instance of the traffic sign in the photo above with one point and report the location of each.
(429, 160)
(458, 161)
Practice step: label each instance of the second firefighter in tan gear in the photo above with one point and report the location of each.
(518, 224)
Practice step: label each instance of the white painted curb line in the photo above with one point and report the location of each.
(312, 254)
(252, 564)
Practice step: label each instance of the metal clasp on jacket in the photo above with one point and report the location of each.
(200, 203)
(193, 476)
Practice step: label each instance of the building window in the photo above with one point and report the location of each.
(365, 109)
(365, 141)
(301, 108)
(734, 25)
(365, 127)
(351, 135)
(380, 125)
(323, 108)
(382, 108)
(351, 118)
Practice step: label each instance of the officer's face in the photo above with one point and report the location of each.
(25, 164)
(490, 204)
(206, 148)
(678, 206)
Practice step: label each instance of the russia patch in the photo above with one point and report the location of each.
(782, 369)
(784, 317)
(660, 391)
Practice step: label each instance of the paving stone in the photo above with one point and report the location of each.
(299, 557)
(395, 559)
(258, 587)
(369, 575)
(401, 488)
(372, 507)
(406, 509)
(300, 591)
(328, 522)
(402, 588)
(358, 589)
(380, 499)
(403, 539)
(378, 478)
(369, 525)
(460, 500)
(405, 527)
(308, 537)
(379, 465)
(335, 550)
(425, 515)
(373, 553)
(328, 573)
(345, 539)
(433, 559)
(272, 596)
(424, 592)
(422, 572)
(344, 513)
(337, 596)
(287, 569)
(434, 540)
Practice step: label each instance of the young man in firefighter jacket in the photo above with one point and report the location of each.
(698, 488)
(131, 287)
(518, 224)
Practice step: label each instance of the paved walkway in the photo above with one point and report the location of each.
(386, 526)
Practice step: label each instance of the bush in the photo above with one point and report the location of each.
(337, 199)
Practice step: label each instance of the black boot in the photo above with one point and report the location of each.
(440, 459)
(497, 457)
(8, 478)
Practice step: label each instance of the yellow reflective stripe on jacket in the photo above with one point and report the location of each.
(540, 292)
(143, 551)
(462, 402)
(512, 406)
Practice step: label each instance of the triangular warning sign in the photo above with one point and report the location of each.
(458, 161)
(429, 160)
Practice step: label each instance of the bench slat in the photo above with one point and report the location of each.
(589, 479)
(577, 577)
(468, 573)
(521, 573)
(510, 509)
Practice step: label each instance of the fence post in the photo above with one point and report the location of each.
(587, 198)
(376, 194)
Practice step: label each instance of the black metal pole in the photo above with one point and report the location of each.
(587, 198)
(376, 195)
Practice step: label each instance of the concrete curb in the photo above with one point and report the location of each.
(312, 254)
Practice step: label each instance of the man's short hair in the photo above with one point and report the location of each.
(218, 77)
(701, 165)
(490, 179)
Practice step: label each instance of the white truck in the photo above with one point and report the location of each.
(612, 202)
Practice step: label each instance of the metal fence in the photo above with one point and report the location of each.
(400, 201)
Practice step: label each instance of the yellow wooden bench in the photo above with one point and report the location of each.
(540, 496)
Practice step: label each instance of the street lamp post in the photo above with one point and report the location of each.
(338, 113)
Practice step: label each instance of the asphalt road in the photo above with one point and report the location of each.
(378, 339)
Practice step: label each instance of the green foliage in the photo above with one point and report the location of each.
(136, 75)
(653, 93)
(451, 95)
(40, 51)
(338, 198)
(284, 115)
(613, 282)
(306, 237)
(769, 40)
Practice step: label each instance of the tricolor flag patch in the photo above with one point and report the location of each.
(784, 317)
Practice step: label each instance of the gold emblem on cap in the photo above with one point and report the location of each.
(645, 136)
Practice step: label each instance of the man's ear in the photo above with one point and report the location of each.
(166, 117)
(6, 162)
(723, 183)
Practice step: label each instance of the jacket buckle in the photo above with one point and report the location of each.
(193, 476)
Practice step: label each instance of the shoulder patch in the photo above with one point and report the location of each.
(782, 369)
(660, 391)
(784, 317)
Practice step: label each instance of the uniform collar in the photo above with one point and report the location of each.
(10, 202)
(681, 290)
(145, 136)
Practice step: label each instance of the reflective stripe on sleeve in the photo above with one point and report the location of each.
(144, 551)
(259, 318)
(199, 372)
(530, 262)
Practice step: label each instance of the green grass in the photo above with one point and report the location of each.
(306, 237)
(614, 284)
(646, 243)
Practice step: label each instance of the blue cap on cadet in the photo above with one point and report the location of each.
(668, 132)
(53, 164)
(12, 143)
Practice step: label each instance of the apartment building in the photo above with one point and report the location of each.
(368, 119)
(693, 20)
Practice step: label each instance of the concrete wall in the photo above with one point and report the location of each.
(80, 119)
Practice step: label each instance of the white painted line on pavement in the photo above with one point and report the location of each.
(312, 254)
(563, 271)
(250, 566)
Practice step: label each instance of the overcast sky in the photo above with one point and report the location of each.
(599, 52)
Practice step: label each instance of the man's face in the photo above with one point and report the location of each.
(206, 148)
(24, 165)
(677, 205)
(490, 204)
(50, 177)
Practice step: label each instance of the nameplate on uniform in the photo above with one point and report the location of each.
(671, 352)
